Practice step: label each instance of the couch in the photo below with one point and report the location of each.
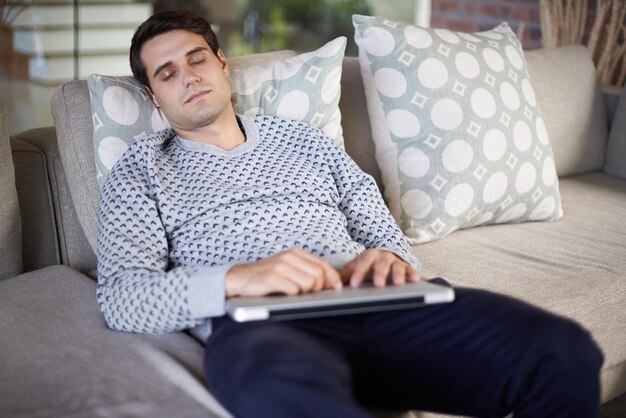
(58, 358)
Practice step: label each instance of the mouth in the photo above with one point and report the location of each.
(197, 96)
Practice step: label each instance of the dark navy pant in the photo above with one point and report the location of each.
(484, 355)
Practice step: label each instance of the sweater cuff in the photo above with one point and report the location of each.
(207, 291)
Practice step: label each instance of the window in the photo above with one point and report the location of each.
(45, 44)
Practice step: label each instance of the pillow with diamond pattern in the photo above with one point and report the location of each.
(304, 87)
(458, 134)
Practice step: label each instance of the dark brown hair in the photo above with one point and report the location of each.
(163, 22)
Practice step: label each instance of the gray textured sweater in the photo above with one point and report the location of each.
(175, 215)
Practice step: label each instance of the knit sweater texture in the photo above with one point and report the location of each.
(175, 215)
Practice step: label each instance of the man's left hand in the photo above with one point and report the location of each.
(379, 266)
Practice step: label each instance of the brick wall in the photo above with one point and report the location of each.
(478, 15)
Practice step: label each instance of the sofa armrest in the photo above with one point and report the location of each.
(40, 246)
(70, 245)
(58, 358)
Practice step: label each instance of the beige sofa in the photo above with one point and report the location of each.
(57, 358)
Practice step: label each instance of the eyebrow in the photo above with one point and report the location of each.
(167, 64)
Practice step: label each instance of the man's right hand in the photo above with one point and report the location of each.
(291, 272)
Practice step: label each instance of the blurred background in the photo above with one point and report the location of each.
(44, 43)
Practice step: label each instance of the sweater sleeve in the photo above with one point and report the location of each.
(369, 220)
(136, 291)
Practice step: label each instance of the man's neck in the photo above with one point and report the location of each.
(225, 133)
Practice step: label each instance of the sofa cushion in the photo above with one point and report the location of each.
(459, 137)
(10, 228)
(59, 359)
(73, 124)
(573, 107)
(357, 132)
(574, 267)
(303, 87)
(615, 163)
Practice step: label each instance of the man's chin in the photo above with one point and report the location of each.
(195, 124)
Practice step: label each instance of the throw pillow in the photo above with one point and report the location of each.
(459, 136)
(304, 87)
(10, 226)
(615, 163)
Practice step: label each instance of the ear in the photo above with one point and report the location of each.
(223, 60)
(152, 97)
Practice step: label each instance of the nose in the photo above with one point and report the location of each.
(190, 76)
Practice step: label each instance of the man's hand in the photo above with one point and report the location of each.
(378, 265)
(291, 272)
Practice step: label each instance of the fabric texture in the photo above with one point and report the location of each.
(304, 87)
(72, 244)
(615, 163)
(175, 215)
(459, 136)
(10, 228)
(74, 128)
(40, 246)
(356, 125)
(574, 267)
(60, 360)
(572, 105)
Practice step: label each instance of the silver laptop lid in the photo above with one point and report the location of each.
(331, 302)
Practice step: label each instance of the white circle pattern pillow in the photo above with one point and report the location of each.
(459, 136)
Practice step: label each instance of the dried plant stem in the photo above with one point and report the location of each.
(564, 21)
(546, 24)
(520, 31)
(602, 7)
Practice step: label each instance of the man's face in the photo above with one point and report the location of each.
(188, 80)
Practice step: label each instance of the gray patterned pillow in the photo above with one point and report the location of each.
(304, 87)
(459, 137)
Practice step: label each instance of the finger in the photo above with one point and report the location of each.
(400, 273)
(382, 268)
(347, 270)
(307, 276)
(330, 276)
(267, 284)
(362, 266)
(413, 276)
(278, 284)
(333, 279)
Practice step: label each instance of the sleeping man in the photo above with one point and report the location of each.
(236, 206)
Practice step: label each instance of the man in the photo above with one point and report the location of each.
(228, 205)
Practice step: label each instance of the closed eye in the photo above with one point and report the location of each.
(197, 60)
(167, 74)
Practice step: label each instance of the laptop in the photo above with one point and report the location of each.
(332, 303)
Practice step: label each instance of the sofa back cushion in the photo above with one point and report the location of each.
(573, 107)
(357, 132)
(10, 228)
(615, 163)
